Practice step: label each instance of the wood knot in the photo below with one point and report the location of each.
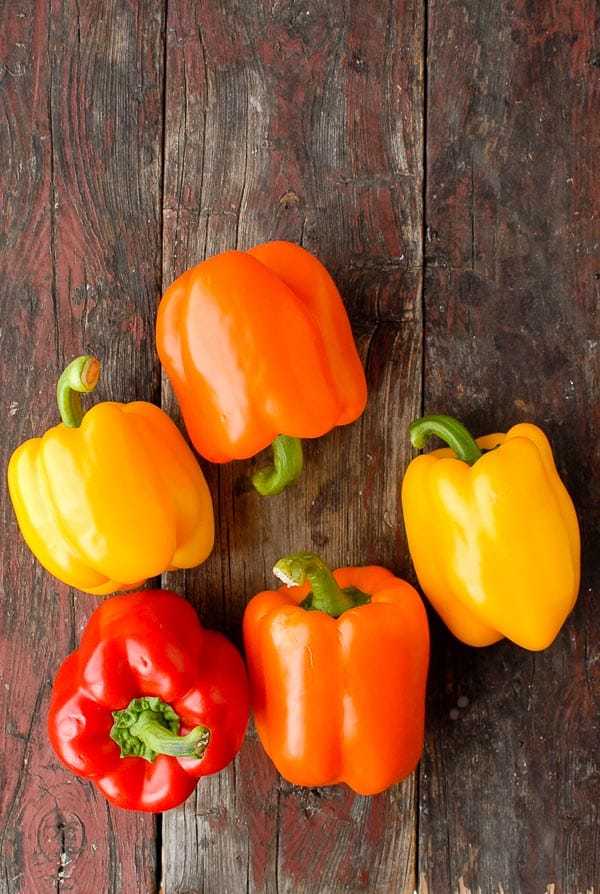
(289, 199)
(358, 64)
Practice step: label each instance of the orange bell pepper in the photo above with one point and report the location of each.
(109, 498)
(338, 670)
(259, 350)
(492, 533)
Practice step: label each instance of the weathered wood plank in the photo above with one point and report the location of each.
(301, 123)
(80, 87)
(509, 785)
(304, 122)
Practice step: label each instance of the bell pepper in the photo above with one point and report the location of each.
(259, 350)
(492, 532)
(338, 669)
(150, 701)
(110, 497)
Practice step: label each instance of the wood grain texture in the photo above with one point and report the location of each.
(80, 93)
(440, 158)
(510, 786)
(295, 123)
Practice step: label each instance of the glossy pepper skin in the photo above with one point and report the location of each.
(109, 498)
(149, 681)
(492, 532)
(338, 692)
(258, 345)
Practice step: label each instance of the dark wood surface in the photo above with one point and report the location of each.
(441, 159)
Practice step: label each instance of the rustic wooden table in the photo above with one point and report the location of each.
(441, 158)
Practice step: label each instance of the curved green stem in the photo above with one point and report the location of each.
(450, 430)
(148, 727)
(326, 594)
(286, 469)
(80, 377)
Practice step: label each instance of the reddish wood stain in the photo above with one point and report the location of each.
(441, 160)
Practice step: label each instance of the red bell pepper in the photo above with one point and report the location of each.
(149, 702)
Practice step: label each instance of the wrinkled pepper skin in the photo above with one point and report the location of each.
(149, 644)
(113, 501)
(495, 543)
(257, 344)
(340, 699)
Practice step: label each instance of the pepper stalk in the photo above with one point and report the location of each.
(288, 461)
(148, 726)
(326, 594)
(450, 430)
(80, 377)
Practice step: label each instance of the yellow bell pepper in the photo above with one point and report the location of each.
(492, 533)
(112, 497)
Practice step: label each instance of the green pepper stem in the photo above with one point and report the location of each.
(80, 377)
(148, 727)
(326, 594)
(162, 741)
(450, 430)
(286, 469)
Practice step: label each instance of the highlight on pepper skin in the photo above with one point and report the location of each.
(111, 497)
(258, 347)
